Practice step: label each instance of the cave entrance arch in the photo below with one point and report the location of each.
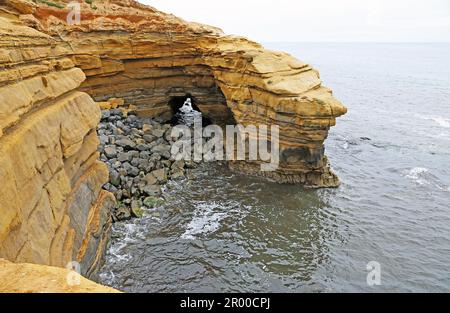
(177, 102)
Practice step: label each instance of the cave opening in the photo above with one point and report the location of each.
(185, 111)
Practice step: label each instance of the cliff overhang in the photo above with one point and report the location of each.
(135, 52)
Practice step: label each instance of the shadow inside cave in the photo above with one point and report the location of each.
(186, 112)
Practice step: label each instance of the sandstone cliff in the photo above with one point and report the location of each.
(52, 207)
(131, 51)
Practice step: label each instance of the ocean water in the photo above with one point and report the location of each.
(225, 232)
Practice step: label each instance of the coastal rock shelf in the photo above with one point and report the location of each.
(131, 51)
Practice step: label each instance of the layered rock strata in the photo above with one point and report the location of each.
(131, 51)
(53, 209)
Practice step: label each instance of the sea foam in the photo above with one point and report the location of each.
(416, 174)
(206, 220)
(443, 122)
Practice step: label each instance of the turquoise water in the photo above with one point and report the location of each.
(226, 232)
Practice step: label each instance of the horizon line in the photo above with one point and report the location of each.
(366, 42)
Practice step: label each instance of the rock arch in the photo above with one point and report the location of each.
(144, 56)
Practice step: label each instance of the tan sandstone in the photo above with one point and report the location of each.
(146, 57)
(32, 278)
(53, 209)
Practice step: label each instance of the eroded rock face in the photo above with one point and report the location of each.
(53, 209)
(131, 51)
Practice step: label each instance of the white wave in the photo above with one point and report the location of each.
(187, 106)
(188, 115)
(206, 220)
(107, 278)
(128, 233)
(422, 177)
(416, 174)
(443, 122)
(132, 232)
(444, 188)
(117, 253)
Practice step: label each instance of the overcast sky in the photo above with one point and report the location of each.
(320, 20)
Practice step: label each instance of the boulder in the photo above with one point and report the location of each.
(149, 138)
(152, 190)
(147, 129)
(177, 174)
(130, 169)
(158, 133)
(150, 179)
(124, 157)
(126, 143)
(160, 175)
(114, 178)
(110, 152)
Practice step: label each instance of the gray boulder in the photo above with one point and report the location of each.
(159, 133)
(110, 152)
(124, 157)
(160, 175)
(126, 143)
(152, 190)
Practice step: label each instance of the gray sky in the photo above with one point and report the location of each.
(320, 20)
